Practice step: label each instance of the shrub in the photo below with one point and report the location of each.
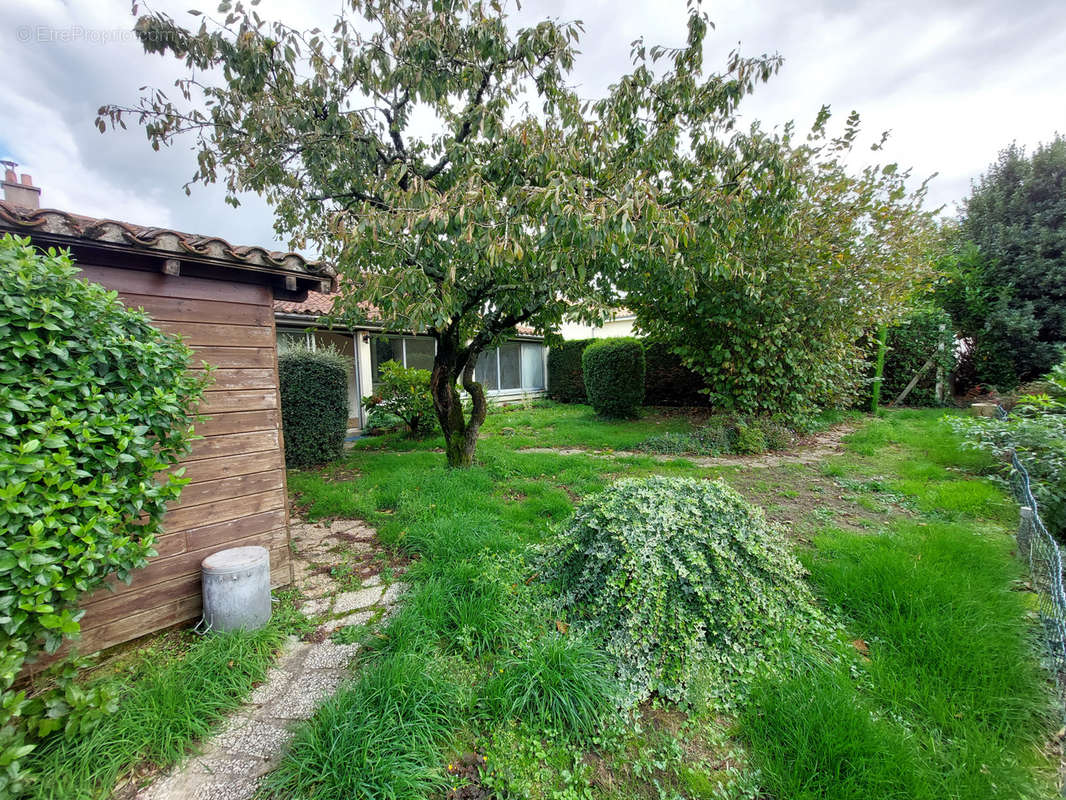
(721, 435)
(557, 681)
(679, 575)
(314, 405)
(566, 383)
(1036, 429)
(404, 392)
(95, 405)
(614, 376)
(667, 381)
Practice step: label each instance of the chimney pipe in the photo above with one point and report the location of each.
(20, 192)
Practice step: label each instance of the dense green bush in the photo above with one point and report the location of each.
(314, 405)
(679, 575)
(667, 381)
(566, 382)
(614, 376)
(1008, 288)
(95, 405)
(923, 334)
(404, 392)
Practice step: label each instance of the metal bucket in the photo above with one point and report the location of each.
(236, 587)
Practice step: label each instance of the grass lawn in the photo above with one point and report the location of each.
(937, 692)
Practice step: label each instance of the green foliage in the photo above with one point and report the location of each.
(667, 381)
(924, 334)
(1036, 430)
(314, 405)
(556, 681)
(381, 737)
(613, 371)
(1010, 292)
(95, 405)
(722, 435)
(404, 392)
(458, 177)
(566, 383)
(166, 704)
(679, 575)
(818, 257)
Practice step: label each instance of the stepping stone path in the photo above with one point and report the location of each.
(251, 743)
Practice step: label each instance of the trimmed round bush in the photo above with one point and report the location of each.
(566, 383)
(95, 406)
(314, 405)
(614, 376)
(680, 576)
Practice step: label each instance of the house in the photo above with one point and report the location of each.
(513, 371)
(619, 323)
(220, 298)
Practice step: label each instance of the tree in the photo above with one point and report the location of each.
(1016, 218)
(820, 258)
(404, 146)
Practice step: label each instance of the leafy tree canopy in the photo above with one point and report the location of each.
(1011, 293)
(819, 256)
(440, 156)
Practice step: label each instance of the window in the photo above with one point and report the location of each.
(486, 371)
(511, 367)
(532, 366)
(291, 340)
(414, 352)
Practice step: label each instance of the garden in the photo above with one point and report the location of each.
(759, 550)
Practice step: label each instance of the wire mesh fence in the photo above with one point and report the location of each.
(1038, 548)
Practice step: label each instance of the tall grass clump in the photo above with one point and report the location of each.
(382, 736)
(950, 701)
(560, 682)
(161, 713)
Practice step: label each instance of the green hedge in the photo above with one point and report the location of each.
(614, 376)
(314, 405)
(95, 406)
(566, 383)
(668, 382)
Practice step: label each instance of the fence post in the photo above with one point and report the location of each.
(879, 369)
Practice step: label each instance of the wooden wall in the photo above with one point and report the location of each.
(236, 495)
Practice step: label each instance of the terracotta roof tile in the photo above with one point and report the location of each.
(161, 240)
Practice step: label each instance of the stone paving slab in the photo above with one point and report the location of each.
(254, 739)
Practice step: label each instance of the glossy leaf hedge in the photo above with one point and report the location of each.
(613, 370)
(94, 406)
(314, 405)
(680, 576)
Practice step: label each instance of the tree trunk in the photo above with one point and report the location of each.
(460, 434)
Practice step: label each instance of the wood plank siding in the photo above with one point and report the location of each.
(237, 494)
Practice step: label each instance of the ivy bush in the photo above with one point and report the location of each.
(314, 405)
(680, 576)
(95, 406)
(614, 370)
(566, 382)
(404, 393)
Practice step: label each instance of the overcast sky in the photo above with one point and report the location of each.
(954, 80)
